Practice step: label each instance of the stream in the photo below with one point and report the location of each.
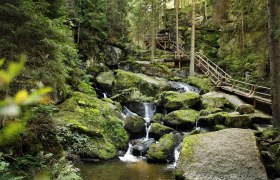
(130, 167)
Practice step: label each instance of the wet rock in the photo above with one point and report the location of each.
(139, 108)
(181, 119)
(140, 148)
(261, 127)
(105, 80)
(158, 130)
(163, 151)
(209, 111)
(227, 154)
(174, 100)
(246, 109)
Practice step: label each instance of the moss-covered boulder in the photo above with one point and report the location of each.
(86, 88)
(134, 124)
(208, 111)
(260, 118)
(234, 120)
(214, 100)
(202, 82)
(157, 118)
(130, 95)
(174, 100)
(147, 85)
(227, 154)
(163, 151)
(245, 109)
(238, 121)
(158, 130)
(105, 80)
(91, 127)
(181, 119)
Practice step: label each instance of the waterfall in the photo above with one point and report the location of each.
(196, 124)
(105, 95)
(128, 157)
(176, 157)
(150, 110)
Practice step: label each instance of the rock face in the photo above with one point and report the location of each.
(227, 155)
(202, 82)
(147, 85)
(158, 130)
(105, 80)
(163, 151)
(175, 100)
(90, 127)
(181, 119)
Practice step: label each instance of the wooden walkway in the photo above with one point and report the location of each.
(217, 75)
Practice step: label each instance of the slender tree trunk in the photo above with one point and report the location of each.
(192, 40)
(153, 32)
(274, 43)
(177, 29)
(79, 24)
(205, 10)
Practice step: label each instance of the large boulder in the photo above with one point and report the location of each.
(86, 88)
(146, 67)
(130, 95)
(145, 110)
(90, 127)
(227, 154)
(147, 85)
(234, 120)
(214, 100)
(163, 151)
(245, 109)
(113, 55)
(134, 124)
(174, 100)
(203, 83)
(158, 130)
(181, 119)
(105, 80)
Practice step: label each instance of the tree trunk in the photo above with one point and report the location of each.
(274, 43)
(177, 30)
(153, 33)
(193, 40)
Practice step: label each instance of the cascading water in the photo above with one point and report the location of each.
(176, 157)
(105, 95)
(183, 87)
(150, 109)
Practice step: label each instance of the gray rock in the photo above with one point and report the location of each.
(245, 109)
(140, 148)
(134, 124)
(113, 55)
(228, 154)
(105, 80)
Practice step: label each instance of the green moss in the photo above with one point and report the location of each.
(161, 151)
(96, 121)
(202, 82)
(175, 100)
(183, 119)
(106, 79)
(214, 102)
(270, 133)
(157, 130)
(146, 85)
(86, 88)
(131, 95)
(209, 111)
(219, 127)
(238, 121)
(157, 118)
(134, 124)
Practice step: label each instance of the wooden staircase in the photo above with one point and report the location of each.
(217, 75)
